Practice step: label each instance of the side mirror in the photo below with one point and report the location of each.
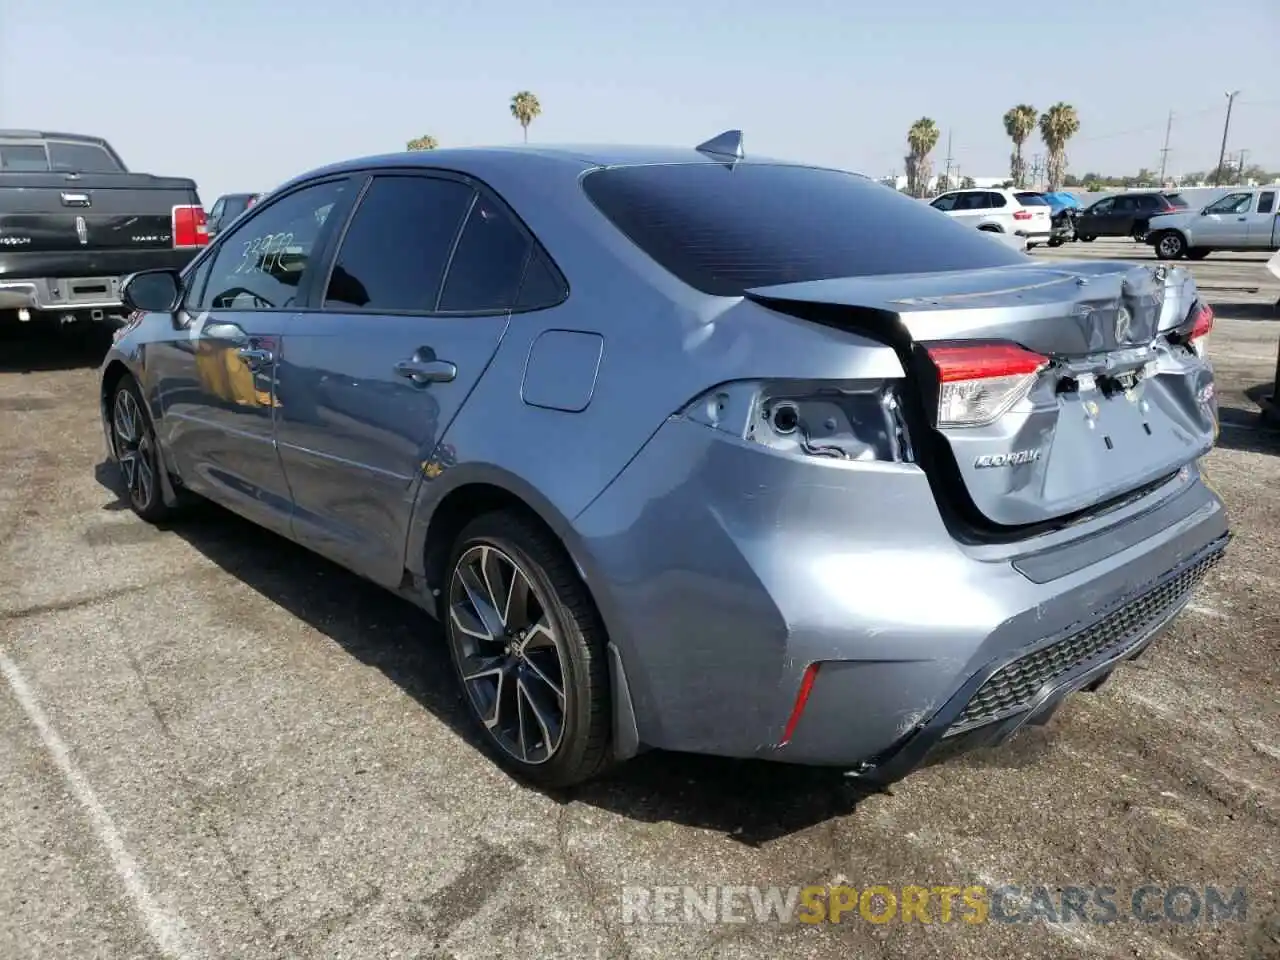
(152, 291)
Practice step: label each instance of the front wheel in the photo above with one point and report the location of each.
(1170, 245)
(529, 651)
(133, 440)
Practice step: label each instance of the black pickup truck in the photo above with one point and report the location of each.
(74, 221)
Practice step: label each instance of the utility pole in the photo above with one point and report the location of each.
(1164, 153)
(1222, 154)
(949, 159)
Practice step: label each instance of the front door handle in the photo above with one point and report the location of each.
(426, 371)
(254, 358)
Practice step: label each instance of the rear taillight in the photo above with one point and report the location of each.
(1022, 214)
(1201, 327)
(979, 383)
(190, 226)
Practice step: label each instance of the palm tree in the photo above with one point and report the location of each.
(424, 142)
(1058, 124)
(921, 139)
(525, 107)
(1019, 123)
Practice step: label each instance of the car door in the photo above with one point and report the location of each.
(216, 378)
(1263, 222)
(1096, 220)
(417, 300)
(1225, 222)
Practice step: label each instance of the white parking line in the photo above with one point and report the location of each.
(170, 933)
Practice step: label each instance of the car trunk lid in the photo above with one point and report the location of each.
(1044, 391)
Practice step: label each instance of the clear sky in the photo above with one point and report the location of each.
(242, 94)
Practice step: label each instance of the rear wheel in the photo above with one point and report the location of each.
(1055, 242)
(1085, 238)
(1170, 245)
(1197, 253)
(529, 651)
(134, 441)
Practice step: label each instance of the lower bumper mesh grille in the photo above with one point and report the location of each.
(1012, 687)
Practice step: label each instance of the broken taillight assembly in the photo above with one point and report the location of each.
(835, 420)
(979, 383)
(1201, 327)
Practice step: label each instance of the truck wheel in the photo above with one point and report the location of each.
(1198, 253)
(133, 441)
(529, 651)
(1170, 245)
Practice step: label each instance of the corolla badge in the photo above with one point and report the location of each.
(1124, 324)
(1012, 459)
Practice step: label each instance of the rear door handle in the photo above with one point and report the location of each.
(254, 357)
(426, 371)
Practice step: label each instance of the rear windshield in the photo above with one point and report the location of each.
(724, 230)
(1175, 199)
(61, 156)
(1032, 200)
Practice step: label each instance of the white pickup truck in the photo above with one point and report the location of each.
(1247, 218)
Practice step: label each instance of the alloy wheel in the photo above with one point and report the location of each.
(1170, 245)
(134, 449)
(509, 652)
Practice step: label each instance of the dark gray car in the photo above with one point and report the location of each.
(688, 450)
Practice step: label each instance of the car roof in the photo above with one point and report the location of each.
(50, 135)
(564, 158)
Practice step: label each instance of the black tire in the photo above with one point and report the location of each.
(1169, 245)
(133, 441)
(1085, 238)
(1056, 242)
(583, 749)
(1198, 253)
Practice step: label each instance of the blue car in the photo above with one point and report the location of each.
(687, 449)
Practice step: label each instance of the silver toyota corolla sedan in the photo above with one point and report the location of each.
(688, 449)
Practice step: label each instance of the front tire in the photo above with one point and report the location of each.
(133, 441)
(529, 651)
(1170, 245)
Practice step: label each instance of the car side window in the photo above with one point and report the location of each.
(260, 265)
(1102, 207)
(543, 285)
(1232, 203)
(996, 200)
(488, 262)
(216, 212)
(395, 251)
(945, 202)
(1125, 205)
(1267, 202)
(194, 284)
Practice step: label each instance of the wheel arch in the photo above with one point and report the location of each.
(441, 514)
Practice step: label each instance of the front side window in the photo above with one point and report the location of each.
(945, 202)
(1102, 207)
(724, 229)
(394, 254)
(260, 264)
(1231, 203)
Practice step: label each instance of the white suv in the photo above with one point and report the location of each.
(998, 211)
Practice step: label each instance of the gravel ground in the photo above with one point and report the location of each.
(216, 745)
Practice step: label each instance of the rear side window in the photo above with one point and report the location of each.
(23, 158)
(489, 262)
(394, 254)
(1267, 202)
(723, 229)
(66, 157)
(996, 200)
